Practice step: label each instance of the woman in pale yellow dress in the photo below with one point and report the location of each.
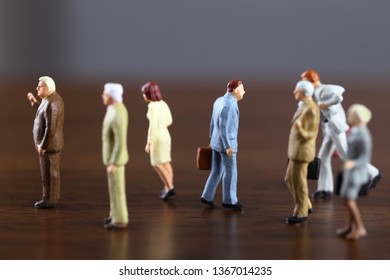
(158, 143)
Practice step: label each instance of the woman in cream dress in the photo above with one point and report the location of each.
(158, 143)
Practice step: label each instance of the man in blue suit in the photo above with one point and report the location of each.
(223, 142)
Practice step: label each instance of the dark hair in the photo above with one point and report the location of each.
(233, 84)
(152, 91)
(311, 75)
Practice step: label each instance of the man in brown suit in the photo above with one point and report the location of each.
(48, 138)
(301, 150)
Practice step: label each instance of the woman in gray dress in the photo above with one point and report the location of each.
(355, 169)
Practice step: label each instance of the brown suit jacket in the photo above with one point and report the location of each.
(302, 141)
(48, 124)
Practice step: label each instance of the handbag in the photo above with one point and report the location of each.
(364, 189)
(203, 158)
(313, 169)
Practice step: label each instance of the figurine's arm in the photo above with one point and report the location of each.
(224, 123)
(332, 95)
(34, 102)
(47, 136)
(306, 125)
(118, 137)
(211, 128)
(168, 116)
(153, 122)
(363, 156)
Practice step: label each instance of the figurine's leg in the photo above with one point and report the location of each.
(229, 179)
(342, 232)
(216, 172)
(325, 180)
(372, 170)
(54, 176)
(299, 171)
(117, 189)
(165, 173)
(340, 142)
(357, 227)
(44, 162)
(50, 173)
(168, 173)
(159, 173)
(289, 181)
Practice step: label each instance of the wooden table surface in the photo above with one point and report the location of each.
(181, 228)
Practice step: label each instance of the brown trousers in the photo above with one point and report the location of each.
(50, 172)
(296, 180)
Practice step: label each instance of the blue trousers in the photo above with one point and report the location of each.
(224, 167)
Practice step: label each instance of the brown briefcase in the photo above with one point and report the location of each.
(203, 158)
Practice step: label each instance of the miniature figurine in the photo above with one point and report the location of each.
(224, 145)
(158, 143)
(301, 150)
(48, 138)
(334, 127)
(115, 155)
(356, 171)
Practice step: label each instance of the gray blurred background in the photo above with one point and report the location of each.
(191, 49)
(178, 39)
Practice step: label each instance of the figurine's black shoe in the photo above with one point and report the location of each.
(322, 194)
(168, 194)
(112, 226)
(107, 220)
(310, 210)
(317, 194)
(43, 204)
(209, 203)
(295, 219)
(376, 180)
(235, 206)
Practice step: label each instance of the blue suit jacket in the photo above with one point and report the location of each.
(224, 124)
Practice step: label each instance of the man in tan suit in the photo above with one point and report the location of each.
(48, 138)
(115, 154)
(301, 150)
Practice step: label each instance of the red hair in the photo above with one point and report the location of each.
(311, 75)
(233, 84)
(152, 91)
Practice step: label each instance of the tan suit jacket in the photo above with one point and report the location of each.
(302, 141)
(114, 135)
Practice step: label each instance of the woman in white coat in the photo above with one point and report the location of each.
(158, 143)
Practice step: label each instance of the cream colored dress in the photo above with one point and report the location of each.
(160, 118)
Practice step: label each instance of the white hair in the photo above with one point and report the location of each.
(306, 87)
(51, 86)
(115, 91)
(361, 112)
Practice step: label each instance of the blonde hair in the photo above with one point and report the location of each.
(51, 86)
(362, 112)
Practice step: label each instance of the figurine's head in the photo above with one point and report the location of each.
(358, 115)
(236, 87)
(151, 92)
(112, 93)
(311, 76)
(303, 90)
(46, 86)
